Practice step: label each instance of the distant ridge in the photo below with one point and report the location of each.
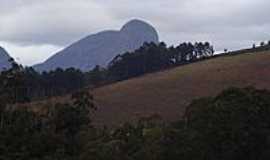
(4, 59)
(101, 48)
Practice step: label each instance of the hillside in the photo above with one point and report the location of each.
(167, 93)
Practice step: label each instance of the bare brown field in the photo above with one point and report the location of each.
(167, 93)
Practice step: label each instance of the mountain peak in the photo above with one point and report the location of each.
(101, 48)
(135, 23)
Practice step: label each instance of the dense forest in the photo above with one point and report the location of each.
(152, 57)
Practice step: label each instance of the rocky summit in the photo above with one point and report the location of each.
(101, 48)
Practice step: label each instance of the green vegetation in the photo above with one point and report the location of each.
(152, 57)
(55, 135)
(231, 126)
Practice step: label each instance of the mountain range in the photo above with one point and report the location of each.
(101, 48)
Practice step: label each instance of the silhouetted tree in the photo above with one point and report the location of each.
(96, 76)
(13, 84)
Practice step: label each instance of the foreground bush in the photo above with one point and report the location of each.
(235, 125)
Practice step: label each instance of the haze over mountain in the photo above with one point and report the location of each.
(101, 48)
(4, 59)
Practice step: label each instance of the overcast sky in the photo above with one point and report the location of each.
(33, 30)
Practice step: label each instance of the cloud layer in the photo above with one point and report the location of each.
(34, 25)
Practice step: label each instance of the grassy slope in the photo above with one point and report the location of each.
(167, 93)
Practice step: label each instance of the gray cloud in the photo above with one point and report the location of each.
(228, 24)
(52, 22)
